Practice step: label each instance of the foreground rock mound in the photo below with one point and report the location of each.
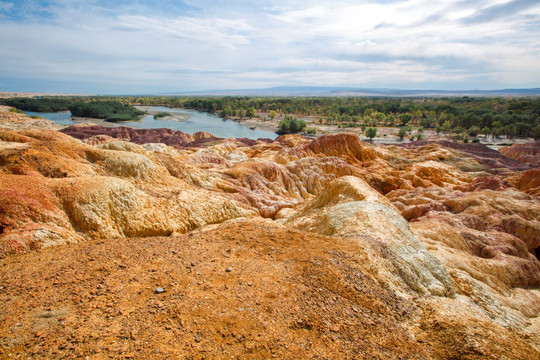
(359, 212)
(247, 289)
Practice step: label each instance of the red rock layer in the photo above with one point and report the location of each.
(177, 139)
(483, 154)
(524, 153)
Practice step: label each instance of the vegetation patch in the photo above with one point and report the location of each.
(38, 104)
(460, 118)
(161, 115)
(110, 110)
(290, 124)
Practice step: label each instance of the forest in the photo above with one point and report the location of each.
(461, 116)
(511, 117)
(110, 110)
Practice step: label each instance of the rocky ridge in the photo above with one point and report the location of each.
(336, 248)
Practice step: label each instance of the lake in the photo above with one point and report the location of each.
(198, 121)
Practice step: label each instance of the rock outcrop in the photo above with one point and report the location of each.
(18, 121)
(349, 207)
(481, 153)
(524, 153)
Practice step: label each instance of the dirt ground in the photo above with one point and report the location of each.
(232, 291)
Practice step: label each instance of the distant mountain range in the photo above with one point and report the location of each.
(344, 91)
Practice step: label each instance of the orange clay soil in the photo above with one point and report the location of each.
(244, 289)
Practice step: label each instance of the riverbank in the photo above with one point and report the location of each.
(385, 135)
(173, 116)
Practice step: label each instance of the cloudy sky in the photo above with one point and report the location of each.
(138, 46)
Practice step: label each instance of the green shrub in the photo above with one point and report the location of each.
(371, 132)
(161, 115)
(123, 116)
(312, 130)
(291, 124)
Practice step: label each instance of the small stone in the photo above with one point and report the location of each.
(160, 290)
(229, 269)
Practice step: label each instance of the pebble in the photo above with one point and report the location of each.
(229, 269)
(160, 290)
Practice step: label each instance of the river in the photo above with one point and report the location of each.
(195, 121)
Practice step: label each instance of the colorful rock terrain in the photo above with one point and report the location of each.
(118, 243)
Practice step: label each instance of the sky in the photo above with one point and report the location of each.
(152, 47)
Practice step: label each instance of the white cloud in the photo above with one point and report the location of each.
(6, 6)
(352, 43)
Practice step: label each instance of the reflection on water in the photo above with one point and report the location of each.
(198, 121)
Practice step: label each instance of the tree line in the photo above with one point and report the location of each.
(464, 116)
(108, 109)
(460, 116)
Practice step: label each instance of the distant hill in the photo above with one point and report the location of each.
(344, 91)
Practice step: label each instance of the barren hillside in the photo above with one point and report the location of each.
(116, 245)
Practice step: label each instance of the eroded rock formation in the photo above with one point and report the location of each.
(333, 248)
(524, 153)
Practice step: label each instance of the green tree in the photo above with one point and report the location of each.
(402, 132)
(371, 132)
(291, 124)
(510, 131)
(536, 133)
(241, 113)
(368, 120)
(446, 125)
(474, 130)
(250, 112)
(379, 117)
(272, 114)
(417, 115)
(391, 120)
(405, 118)
(496, 127)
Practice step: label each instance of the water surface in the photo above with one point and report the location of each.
(198, 121)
